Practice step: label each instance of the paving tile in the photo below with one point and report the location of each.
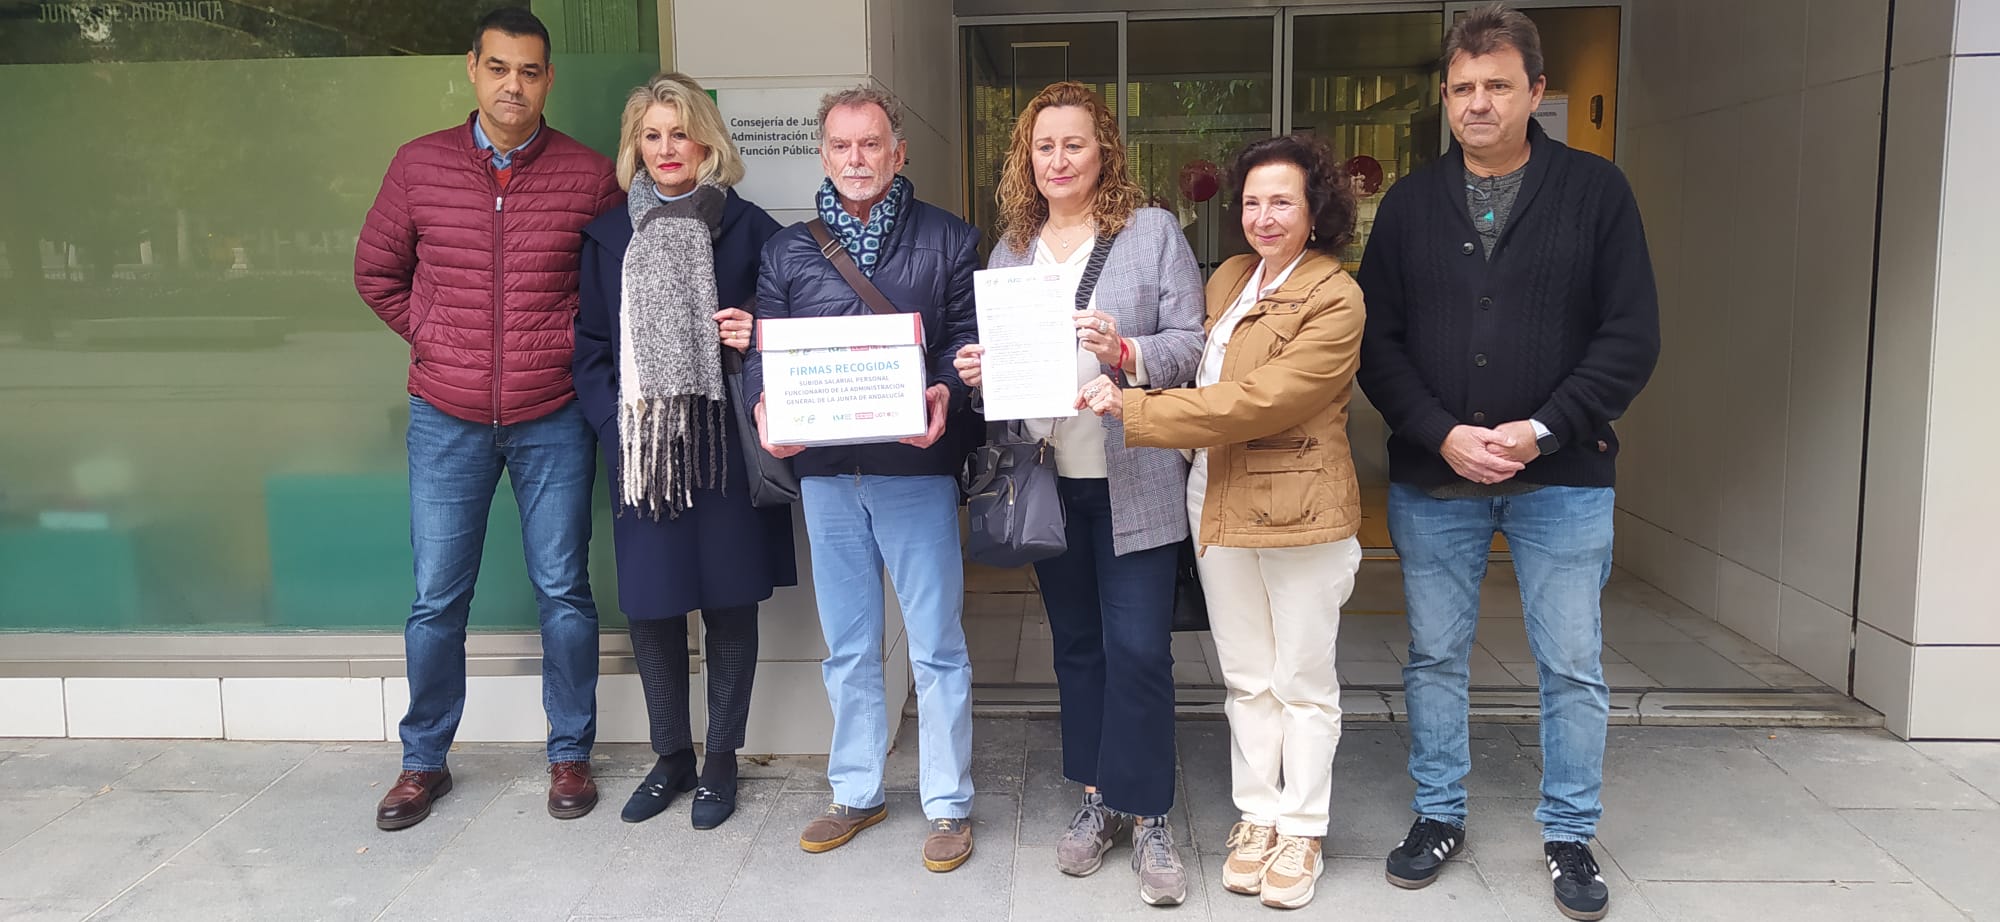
(201, 891)
(1868, 769)
(999, 746)
(1739, 649)
(1353, 888)
(1687, 665)
(1977, 763)
(1040, 891)
(1951, 850)
(1350, 651)
(79, 766)
(1049, 800)
(46, 910)
(1623, 625)
(1504, 844)
(881, 874)
(108, 842)
(1043, 734)
(1665, 808)
(703, 864)
(1705, 901)
(217, 766)
(1782, 675)
(26, 810)
(1371, 674)
(1770, 709)
(487, 872)
(322, 814)
(1626, 675)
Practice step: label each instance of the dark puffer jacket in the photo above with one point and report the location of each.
(482, 282)
(926, 268)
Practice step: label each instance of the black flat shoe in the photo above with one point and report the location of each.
(712, 807)
(656, 793)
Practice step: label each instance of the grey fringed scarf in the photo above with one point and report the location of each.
(670, 390)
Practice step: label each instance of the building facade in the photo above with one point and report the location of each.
(203, 510)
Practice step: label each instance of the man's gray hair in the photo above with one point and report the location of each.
(863, 95)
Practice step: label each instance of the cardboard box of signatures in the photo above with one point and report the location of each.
(843, 380)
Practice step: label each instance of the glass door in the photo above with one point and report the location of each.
(1367, 83)
(1201, 88)
(1006, 64)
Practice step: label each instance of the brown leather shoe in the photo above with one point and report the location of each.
(571, 792)
(409, 801)
(948, 845)
(840, 823)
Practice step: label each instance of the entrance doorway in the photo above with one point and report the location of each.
(1191, 88)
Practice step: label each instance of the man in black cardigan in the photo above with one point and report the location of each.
(1511, 318)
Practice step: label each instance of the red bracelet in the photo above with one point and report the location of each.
(1124, 351)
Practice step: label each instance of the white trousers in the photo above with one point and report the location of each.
(1275, 614)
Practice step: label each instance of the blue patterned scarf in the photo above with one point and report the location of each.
(864, 240)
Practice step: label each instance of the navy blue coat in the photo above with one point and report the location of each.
(925, 268)
(721, 552)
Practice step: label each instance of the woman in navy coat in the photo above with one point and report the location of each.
(715, 552)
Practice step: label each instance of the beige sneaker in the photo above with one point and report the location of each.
(1294, 868)
(1249, 850)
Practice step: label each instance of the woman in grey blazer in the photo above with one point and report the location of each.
(1065, 191)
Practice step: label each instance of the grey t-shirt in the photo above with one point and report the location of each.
(1489, 199)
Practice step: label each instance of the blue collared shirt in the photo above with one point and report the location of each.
(501, 159)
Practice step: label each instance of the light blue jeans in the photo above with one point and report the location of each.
(1560, 538)
(856, 524)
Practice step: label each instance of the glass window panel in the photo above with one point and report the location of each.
(1198, 91)
(204, 424)
(1005, 66)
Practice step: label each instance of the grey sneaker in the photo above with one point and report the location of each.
(1081, 849)
(1162, 881)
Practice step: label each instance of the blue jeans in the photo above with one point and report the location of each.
(1112, 619)
(857, 523)
(1560, 538)
(454, 468)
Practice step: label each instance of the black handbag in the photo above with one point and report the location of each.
(772, 482)
(1190, 606)
(1015, 514)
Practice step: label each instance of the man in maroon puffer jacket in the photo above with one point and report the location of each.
(471, 255)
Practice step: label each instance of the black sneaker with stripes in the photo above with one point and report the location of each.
(1416, 862)
(1580, 890)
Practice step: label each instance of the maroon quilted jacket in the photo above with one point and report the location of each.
(482, 281)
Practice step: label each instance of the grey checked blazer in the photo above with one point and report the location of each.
(1153, 288)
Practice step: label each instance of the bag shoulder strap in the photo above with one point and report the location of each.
(837, 254)
(1087, 286)
(1092, 268)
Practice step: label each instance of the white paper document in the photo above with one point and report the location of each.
(1029, 371)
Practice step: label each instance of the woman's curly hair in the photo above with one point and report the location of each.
(1329, 193)
(1023, 210)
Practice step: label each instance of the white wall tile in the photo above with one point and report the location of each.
(1747, 603)
(789, 713)
(498, 709)
(1904, 330)
(32, 707)
(1882, 667)
(1814, 637)
(1845, 38)
(1923, 29)
(1836, 227)
(1772, 46)
(302, 709)
(1978, 29)
(790, 38)
(1960, 502)
(1952, 694)
(136, 707)
(621, 708)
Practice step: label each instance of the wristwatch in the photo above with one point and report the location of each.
(1545, 441)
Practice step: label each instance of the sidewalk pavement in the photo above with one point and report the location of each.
(1700, 823)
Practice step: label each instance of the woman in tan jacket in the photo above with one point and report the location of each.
(1274, 498)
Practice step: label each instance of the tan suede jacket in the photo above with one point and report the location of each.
(1275, 425)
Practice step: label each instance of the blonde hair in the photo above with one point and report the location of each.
(1023, 210)
(699, 118)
